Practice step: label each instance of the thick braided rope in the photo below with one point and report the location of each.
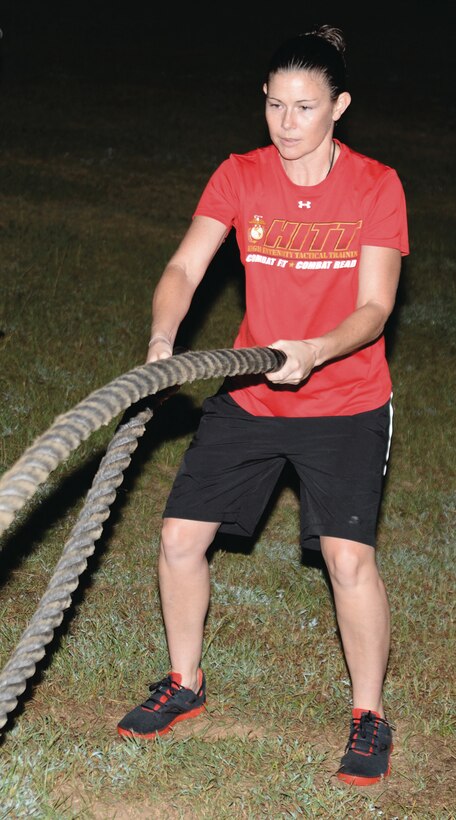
(54, 446)
(19, 483)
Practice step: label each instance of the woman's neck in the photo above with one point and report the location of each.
(302, 172)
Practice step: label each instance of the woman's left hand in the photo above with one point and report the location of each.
(300, 361)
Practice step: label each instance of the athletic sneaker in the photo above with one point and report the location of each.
(169, 702)
(368, 751)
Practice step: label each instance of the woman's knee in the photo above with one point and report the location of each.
(349, 562)
(181, 538)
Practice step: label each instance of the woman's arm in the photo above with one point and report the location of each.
(379, 271)
(180, 278)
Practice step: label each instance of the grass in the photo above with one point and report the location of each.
(94, 195)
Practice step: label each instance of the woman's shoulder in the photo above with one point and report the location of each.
(373, 182)
(364, 163)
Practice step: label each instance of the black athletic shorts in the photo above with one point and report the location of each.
(234, 461)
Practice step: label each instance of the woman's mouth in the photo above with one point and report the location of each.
(288, 141)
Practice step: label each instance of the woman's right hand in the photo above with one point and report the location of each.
(159, 348)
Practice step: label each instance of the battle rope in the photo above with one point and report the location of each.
(20, 482)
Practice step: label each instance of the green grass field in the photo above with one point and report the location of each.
(99, 173)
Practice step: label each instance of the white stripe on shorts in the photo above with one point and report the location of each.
(390, 433)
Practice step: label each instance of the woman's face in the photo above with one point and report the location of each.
(300, 113)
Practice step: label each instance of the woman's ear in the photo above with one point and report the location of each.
(341, 105)
(265, 88)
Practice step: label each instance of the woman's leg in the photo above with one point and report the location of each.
(183, 573)
(363, 617)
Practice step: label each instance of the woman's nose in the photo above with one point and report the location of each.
(287, 121)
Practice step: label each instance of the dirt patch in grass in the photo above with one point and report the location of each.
(422, 784)
(71, 799)
(89, 717)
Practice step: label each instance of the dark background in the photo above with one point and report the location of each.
(405, 44)
(65, 64)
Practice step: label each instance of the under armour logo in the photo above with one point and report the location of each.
(302, 204)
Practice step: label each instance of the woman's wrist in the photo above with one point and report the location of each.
(159, 337)
(316, 348)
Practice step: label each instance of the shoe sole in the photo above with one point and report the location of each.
(154, 735)
(357, 780)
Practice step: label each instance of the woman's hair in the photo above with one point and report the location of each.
(320, 51)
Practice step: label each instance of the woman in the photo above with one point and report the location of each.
(321, 231)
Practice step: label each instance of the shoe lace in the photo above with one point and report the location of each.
(364, 734)
(161, 692)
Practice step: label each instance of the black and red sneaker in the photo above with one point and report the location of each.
(368, 751)
(169, 702)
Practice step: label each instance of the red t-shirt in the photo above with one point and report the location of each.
(300, 247)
